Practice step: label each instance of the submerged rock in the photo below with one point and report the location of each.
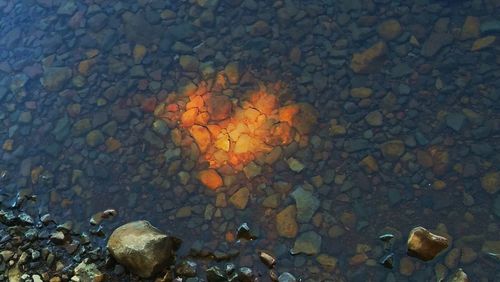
(285, 222)
(370, 59)
(142, 248)
(425, 245)
(307, 204)
(308, 243)
(54, 78)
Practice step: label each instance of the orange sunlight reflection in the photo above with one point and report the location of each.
(230, 133)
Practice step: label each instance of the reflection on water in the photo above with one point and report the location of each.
(322, 125)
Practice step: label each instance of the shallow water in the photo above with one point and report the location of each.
(405, 134)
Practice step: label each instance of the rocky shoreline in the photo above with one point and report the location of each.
(36, 249)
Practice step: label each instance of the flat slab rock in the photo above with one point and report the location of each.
(141, 248)
(425, 245)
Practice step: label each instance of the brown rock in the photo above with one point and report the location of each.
(369, 164)
(260, 28)
(286, 223)
(240, 198)
(393, 149)
(219, 107)
(210, 178)
(406, 266)
(491, 182)
(389, 29)
(425, 245)
(470, 29)
(361, 92)
(370, 59)
(483, 43)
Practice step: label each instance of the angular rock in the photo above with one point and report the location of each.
(285, 222)
(88, 272)
(306, 203)
(240, 198)
(141, 248)
(308, 243)
(425, 245)
(458, 276)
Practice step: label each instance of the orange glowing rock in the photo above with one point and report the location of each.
(222, 142)
(201, 136)
(229, 134)
(202, 118)
(219, 107)
(215, 129)
(188, 118)
(287, 113)
(210, 178)
(264, 102)
(281, 134)
(243, 145)
(195, 102)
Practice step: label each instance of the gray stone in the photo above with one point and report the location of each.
(54, 78)
(153, 139)
(141, 248)
(455, 121)
(286, 277)
(67, 8)
(306, 203)
(489, 27)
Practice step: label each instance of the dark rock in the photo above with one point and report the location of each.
(436, 42)
(245, 274)
(245, 233)
(186, 268)
(387, 261)
(58, 237)
(215, 274)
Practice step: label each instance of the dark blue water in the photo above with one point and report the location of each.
(394, 123)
